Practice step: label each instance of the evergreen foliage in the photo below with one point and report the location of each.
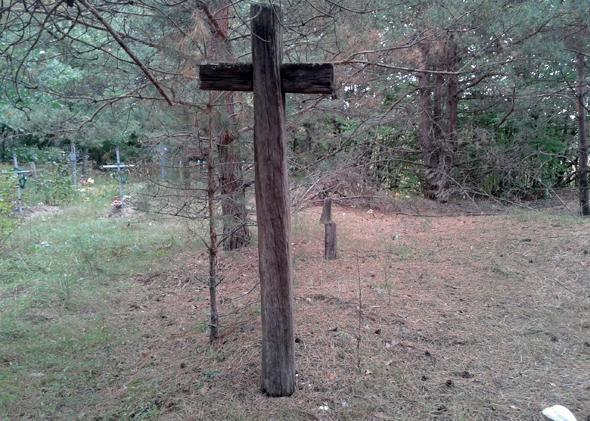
(513, 134)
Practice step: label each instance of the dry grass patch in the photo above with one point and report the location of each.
(463, 318)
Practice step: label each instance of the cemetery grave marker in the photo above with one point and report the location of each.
(21, 182)
(270, 80)
(120, 168)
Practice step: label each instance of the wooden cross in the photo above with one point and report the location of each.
(119, 166)
(270, 80)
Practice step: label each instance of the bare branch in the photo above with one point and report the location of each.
(129, 52)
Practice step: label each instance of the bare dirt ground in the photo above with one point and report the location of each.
(461, 318)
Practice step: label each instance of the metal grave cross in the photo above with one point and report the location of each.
(120, 167)
(21, 181)
(270, 80)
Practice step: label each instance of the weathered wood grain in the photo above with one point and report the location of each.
(270, 80)
(226, 77)
(326, 211)
(330, 230)
(330, 241)
(272, 205)
(296, 78)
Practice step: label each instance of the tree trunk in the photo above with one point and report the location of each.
(438, 132)
(438, 103)
(582, 140)
(449, 145)
(233, 200)
(233, 194)
(214, 316)
(426, 135)
(452, 91)
(305, 144)
(186, 176)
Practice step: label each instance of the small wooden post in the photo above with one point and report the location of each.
(330, 241)
(326, 211)
(330, 230)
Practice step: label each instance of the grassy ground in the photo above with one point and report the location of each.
(461, 318)
(60, 278)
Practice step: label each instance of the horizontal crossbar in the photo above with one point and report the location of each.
(296, 78)
(116, 166)
(16, 172)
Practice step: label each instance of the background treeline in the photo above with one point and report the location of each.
(450, 97)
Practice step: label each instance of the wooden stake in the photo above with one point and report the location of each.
(330, 230)
(330, 241)
(326, 211)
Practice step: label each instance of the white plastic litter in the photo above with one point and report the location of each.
(558, 413)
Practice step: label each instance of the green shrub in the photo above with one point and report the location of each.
(53, 186)
(39, 155)
(7, 193)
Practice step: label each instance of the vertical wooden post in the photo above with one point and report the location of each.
(330, 230)
(326, 211)
(330, 241)
(269, 80)
(272, 204)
